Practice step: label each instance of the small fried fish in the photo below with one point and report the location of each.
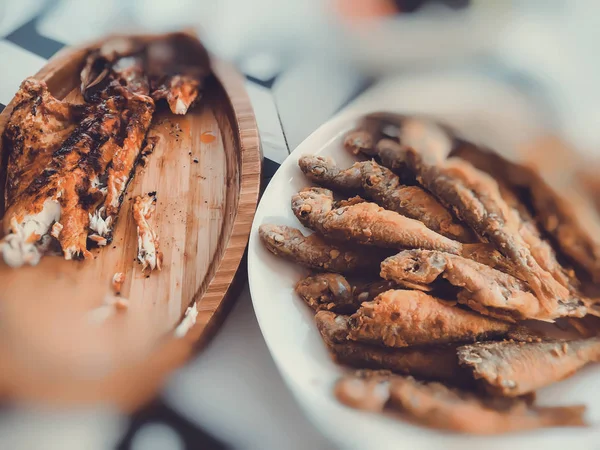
(402, 318)
(365, 223)
(512, 368)
(438, 406)
(433, 362)
(325, 172)
(385, 188)
(333, 292)
(486, 290)
(314, 252)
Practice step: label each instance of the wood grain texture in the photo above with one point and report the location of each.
(206, 170)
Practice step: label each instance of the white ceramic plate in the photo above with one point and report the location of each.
(287, 325)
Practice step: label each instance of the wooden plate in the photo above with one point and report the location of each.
(206, 172)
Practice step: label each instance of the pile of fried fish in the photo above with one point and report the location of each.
(433, 262)
(69, 164)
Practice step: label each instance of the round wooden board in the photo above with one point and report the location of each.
(206, 170)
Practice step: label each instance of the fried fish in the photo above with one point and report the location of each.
(314, 252)
(433, 362)
(333, 292)
(482, 288)
(384, 188)
(514, 368)
(475, 199)
(437, 406)
(402, 318)
(365, 223)
(561, 205)
(324, 171)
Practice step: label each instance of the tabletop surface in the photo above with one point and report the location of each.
(230, 395)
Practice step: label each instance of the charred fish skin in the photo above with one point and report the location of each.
(171, 67)
(71, 174)
(69, 165)
(37, 126)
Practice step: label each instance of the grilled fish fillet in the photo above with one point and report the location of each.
(68, 183)
(149, 254)
(69, 165)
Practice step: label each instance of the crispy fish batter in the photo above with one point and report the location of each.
(366, 390)
(385, 188)
(475, 199)
(360, 141)
(365, 223)
(511, 369)
(324, 171)
(435, 363)
(401, 318)
(483, 289)
(438, 406)
(541, 250)
(312, 251)
(357, 220)
(333, 292)
(562, 207)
